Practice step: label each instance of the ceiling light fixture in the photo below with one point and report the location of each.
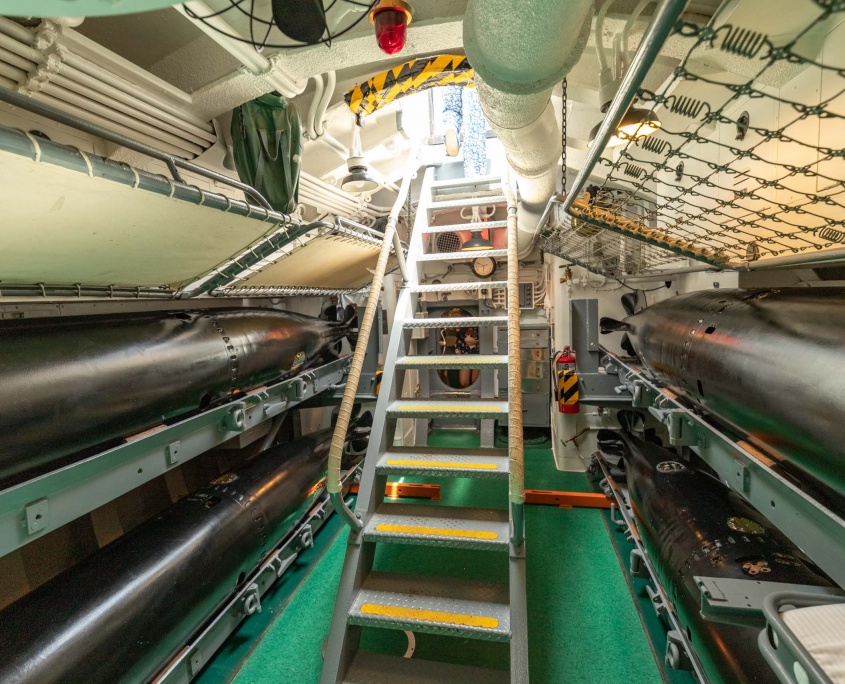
(636, 124)
(359, 179)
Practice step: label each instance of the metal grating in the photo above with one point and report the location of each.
(602, 251)
(749, 164)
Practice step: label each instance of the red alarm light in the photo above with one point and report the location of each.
(391, 18)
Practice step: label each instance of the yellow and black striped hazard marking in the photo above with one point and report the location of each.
(567, 387)
(407, 79)
(379, 373)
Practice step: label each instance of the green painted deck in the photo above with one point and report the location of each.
(583, 624)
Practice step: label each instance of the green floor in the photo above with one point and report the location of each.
(583, 626)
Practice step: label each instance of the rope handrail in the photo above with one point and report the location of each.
(515, 443)
(334, 484)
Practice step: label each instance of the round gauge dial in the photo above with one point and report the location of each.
(483, 267)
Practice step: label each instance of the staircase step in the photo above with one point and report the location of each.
(457, 227)
(468, 202)
(433, 408)
(375, 668)
(464, 256)
(457, 322)
(464, 182)
(432, 461)
(455, 287)
(454, 361)
(468, 528)
(437, 605)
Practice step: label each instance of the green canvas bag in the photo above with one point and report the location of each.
(267, 141)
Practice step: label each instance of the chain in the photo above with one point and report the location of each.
(408, 215)
(563, 137)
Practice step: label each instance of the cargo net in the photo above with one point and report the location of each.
(749, 160)
(602, 251)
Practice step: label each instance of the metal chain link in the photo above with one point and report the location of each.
(563, 138)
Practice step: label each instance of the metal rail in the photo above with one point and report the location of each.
(813, 527)
(661, 26)
(625, 510)
(516, 454)
(35, 507)
(196, 653)
(345, 413)
(173, 162)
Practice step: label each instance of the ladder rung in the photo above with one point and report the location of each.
(454, 361)
(376, 668)
(461, 322)
(457, 227)
(468, 202)
(442, 462)
(452, 287)
(463, 182)
(475, 528)
(433, 604)
(463, 256)
(440, 408)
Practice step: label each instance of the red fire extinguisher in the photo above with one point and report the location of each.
(567, 382)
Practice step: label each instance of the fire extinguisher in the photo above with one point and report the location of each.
(567, 382)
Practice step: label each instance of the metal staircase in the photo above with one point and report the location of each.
(427, 603)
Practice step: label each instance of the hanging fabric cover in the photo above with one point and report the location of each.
(267, 140)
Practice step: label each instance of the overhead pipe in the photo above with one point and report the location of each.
(328, 92)
(91, 380)
(310, 121)
(221, 32)
(519, 52)
(124, 612)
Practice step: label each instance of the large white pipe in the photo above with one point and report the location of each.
(520, 51)
(311, 119)
(331, 82)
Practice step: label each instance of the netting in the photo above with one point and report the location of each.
(749, 160)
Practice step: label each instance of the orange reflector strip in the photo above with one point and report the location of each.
(406, 490)
(402, 613)
(443, 464)
(436, 531)
(567, 499)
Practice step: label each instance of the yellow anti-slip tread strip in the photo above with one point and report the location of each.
(442, 464)
(436, 531)
(446, 409)
(420, 615)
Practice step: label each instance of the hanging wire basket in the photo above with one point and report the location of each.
(602, 251)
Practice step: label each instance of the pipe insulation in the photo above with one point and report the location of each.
(122, 614)
(94, 379)
(519, 52)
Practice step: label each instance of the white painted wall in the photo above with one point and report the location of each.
(575, 456)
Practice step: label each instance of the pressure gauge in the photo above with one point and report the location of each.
(483, 267)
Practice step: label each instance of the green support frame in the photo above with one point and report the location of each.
(818, 531)
(35, 507)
